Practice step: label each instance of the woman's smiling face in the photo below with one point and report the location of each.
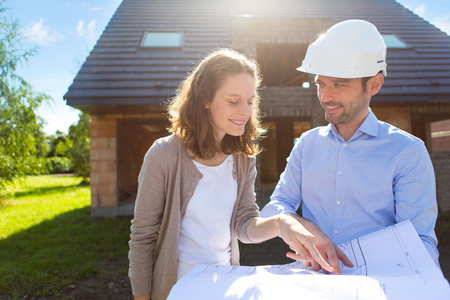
(232, 105)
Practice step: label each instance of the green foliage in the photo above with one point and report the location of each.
(57, 144)
(48, 239)
(78, 146)
(61, 148)
(75, 147)
(22, 141)
(55, 165)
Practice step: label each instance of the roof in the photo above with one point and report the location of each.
(119, 72)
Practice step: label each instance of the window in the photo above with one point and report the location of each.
(393, 41)
(162, 40)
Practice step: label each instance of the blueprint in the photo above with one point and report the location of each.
(366, 252)
(389, 264)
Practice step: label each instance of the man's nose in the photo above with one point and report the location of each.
(325, 94)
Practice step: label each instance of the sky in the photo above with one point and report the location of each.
(65, 31)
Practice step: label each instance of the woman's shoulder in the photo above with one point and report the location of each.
(167, 142)
(164, 146)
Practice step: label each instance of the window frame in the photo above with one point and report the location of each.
(144, 39)
(395, 36)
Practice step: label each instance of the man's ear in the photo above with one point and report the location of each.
(375, 83)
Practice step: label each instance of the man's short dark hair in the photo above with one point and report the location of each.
(364, 81)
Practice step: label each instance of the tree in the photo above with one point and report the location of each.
(79, 146)
(57, 144)
(21, 135)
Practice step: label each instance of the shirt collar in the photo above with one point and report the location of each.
(370, 125)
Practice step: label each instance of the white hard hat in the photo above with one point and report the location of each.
(349, 49)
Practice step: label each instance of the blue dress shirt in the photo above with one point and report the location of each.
(379, 177)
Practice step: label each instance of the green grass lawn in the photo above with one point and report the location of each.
(48, 239)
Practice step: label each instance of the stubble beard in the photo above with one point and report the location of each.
(349, 112)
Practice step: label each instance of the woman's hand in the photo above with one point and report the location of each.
(302, 242)
(309, 243)
(324, 245)
(143, 297)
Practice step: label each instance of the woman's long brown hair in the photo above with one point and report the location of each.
(191, 121)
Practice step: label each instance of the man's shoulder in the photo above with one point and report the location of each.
(396, 134)
(316, 132)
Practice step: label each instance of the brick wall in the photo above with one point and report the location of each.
(441, 143)
(292, 102)
(441, 136)
(103, 164)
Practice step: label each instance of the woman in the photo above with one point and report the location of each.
(196, 187)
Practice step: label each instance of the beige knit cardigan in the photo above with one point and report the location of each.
(167, 181)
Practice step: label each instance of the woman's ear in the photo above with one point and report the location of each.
(375, 83)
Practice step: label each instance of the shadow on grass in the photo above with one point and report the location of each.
(46, 190)
(45, 258)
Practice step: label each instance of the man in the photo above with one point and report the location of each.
(356, 175)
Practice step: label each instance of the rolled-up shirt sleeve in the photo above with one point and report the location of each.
(415, 194)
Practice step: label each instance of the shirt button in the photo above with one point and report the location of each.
(344, 145)
(339, 202)
(339, 173)
(335, 232)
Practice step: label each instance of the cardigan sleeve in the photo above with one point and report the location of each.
(247, 209)
(145, 226)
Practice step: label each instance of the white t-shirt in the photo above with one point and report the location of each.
(205, 236)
